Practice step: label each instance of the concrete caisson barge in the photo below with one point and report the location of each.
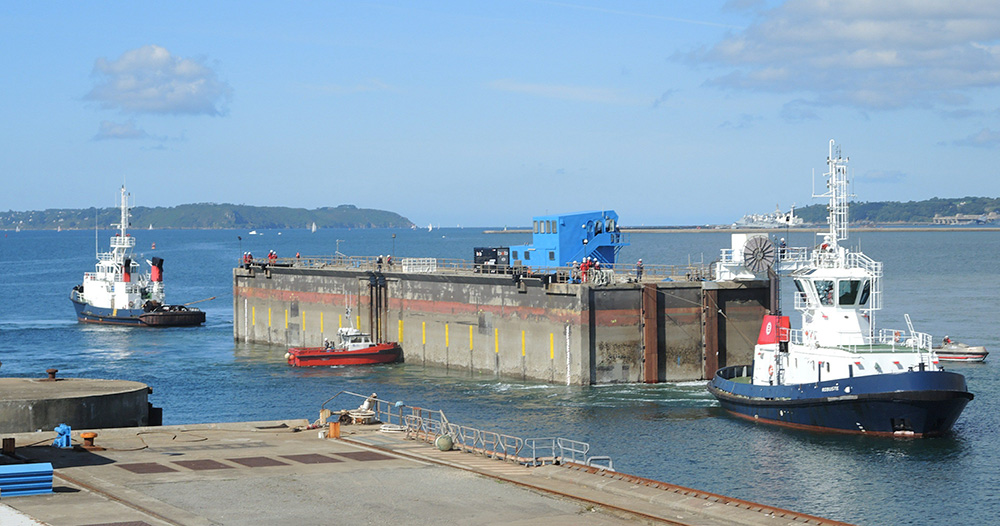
(545, 324)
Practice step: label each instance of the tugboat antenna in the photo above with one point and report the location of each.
(838, 193)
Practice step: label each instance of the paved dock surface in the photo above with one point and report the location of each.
(273, 473)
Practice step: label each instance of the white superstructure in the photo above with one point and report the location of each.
(837, 294)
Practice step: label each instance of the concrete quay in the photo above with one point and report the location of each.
(29, 404)
(279, 472)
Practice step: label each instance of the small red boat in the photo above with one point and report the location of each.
(354, 348)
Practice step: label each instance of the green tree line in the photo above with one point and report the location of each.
(908, 212)
(206, 215)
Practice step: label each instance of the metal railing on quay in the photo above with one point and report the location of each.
(429, 424)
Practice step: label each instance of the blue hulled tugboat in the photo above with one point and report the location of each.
(119, 293)
(837, 373)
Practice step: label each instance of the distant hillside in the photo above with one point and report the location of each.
(207, 215)
(909, 212)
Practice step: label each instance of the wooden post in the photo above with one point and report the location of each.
(650, 335)
(710, 326)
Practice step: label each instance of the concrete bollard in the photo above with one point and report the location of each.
(444, 443)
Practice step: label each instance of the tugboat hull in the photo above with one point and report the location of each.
(916, 403)
(170, 316)
(86, 313)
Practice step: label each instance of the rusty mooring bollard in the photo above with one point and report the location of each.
(88, 439)
(52, 374)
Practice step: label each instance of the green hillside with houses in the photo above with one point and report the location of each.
(911, 212)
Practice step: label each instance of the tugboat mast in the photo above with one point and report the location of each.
(838, 193)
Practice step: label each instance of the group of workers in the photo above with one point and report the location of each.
(272, 257)
(581, 271)
(388, 262)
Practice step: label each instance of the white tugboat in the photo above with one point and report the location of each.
(837, 372)
(119, 293)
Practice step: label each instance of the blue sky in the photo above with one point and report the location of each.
(486, 113)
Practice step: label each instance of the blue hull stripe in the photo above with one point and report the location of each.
(91, 314)
(922, 403)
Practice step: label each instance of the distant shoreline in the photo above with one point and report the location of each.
(638, 229)
(698, 230)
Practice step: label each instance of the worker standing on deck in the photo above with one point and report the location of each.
(638, 270)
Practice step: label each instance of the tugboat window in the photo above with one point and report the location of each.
(514, 254)
(824, 289)
(849, 291)
(552, 256)
(865, 293)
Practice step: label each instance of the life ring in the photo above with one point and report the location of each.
(770, 370)
(131, 304)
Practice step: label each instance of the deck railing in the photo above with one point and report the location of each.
(885, 340)
(607, 274)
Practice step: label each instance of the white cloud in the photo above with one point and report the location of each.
(151, 80)
(744, 121)
(984, 138)
(114, 130)
(876, 55)
(663, 98)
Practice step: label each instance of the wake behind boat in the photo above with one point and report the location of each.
(352, 348)
(836, 373)
(119, 293)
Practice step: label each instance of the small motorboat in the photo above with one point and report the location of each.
(951, 351)
(352, 348)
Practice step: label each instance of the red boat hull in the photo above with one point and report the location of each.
(318, 356)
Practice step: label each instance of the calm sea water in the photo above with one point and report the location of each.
(946, 281)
